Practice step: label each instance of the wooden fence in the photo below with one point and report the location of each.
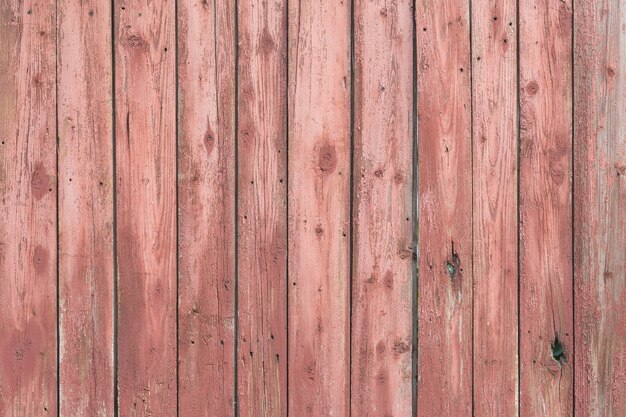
(313, 208)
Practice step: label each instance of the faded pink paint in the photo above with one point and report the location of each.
(383, 243)
(545, 207)
(444, 380)
(28, 259)
(206, 209)
(319, 208)
(494, 110)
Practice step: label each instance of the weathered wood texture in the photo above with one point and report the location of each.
(28, 260)
(145, 120)
(599, 201)
(262, 233)
(208, 208)
(86, 295)
(545, 207)
(494, 130)
(444, 380)
(319, 208)
(206, 204)
(383, 246)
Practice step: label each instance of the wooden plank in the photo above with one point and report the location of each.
(383, 245)
(599, 201)
(206, 207)
(28, 260)
(546, 315)
(262, 207)
(444, 385)
(85, 209)
(494, 103)
(319, 208)
(86, 364)
(146, 206)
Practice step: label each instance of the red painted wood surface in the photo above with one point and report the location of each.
(383, 244)
(494, 149)
(206, 207)
(444, 380)
(28, 260)
(599, 202)
(319, 208)
(234, 232)
(546, 309)
(145, 105)
(262, 214)
(85, 169)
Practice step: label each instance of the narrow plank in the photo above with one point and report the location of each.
(86, 366)
(319, 208)
(494, 121)
(599, 201)
(262, 209)
(546, 315)
(444, 385)
(145, 123)
(206, 204)
(383, 246)
(28, 257)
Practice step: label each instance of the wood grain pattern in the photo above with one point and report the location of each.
(146, 206)
(546, 315)
(383, 246)
(494, 121)
(444, 385)
(28, 260)
(319, 208)
(206, 202)
(599, 201)
(86, 364)
(262, 234)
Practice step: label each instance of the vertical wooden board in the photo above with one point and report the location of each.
(86, 367)
(206, 204)
(28, 260)
(494, 121)
(444, 385)
(262, 209)
(546, 315)
(146, 206)
(599, 201)
(319, 208)
(383, 246)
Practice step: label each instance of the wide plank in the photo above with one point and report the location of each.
(262, 209)
(319, 208)
(494, 127)
(444, 380)
(383, 222)
(145, 125)
(545, 208)
(28, 192)
(599, 202)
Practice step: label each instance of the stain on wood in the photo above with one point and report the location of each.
(545, 207)
(383, 244)
(494, 150)
(262, 209)
(86, 259)
(28, 192)
(206, 208)
(444, 364)
(145, 104)
(319, 208)
(599, 201)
